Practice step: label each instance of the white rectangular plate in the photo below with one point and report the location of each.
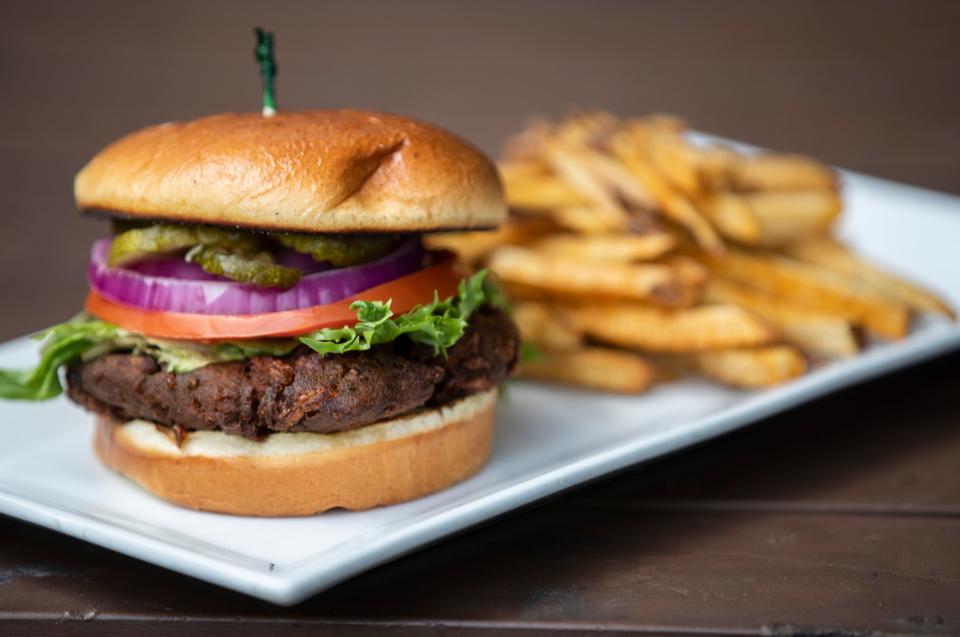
(548, 439)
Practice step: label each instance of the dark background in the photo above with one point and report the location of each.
(841, 517)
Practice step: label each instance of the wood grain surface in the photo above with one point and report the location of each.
(841, 517)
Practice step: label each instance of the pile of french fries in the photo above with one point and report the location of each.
(634, 256)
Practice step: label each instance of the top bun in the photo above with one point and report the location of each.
(310, 171)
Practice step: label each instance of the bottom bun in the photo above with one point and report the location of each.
(290, 474)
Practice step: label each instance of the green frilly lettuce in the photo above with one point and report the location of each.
(64, 344)
(439, 325)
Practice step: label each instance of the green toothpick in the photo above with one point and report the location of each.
(268, 70)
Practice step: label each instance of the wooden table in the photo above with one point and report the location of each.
(841, 517)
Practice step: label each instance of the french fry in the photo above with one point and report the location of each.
(831, 254)
(690, 271)
(733, 217)
(771, 171)
(674, 158)
(660, 139)
(786, 217)
(817, 289)
(773, 218)
(659, 330)
(542, 193)
(550, 330)
(521, 169)
(816, 333)
(619, 247)
(473, 247)
(618, 179)
(571, 166)
(585, 220)
(752, 368)
(715, 167)
(526, 229)
(692, 275)
(673, 204)
(559, 275)
(594, 368)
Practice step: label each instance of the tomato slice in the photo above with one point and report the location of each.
(407, 292)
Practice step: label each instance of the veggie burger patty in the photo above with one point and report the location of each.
(305, 391)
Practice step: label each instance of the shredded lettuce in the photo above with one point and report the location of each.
(439, 324)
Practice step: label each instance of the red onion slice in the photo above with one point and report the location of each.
(175, 286)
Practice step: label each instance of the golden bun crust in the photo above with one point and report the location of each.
(309, 171)
(295, 474)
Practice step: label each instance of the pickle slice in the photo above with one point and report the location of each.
(138, 243)
(339, 250)
(258, 269)
(134, 245)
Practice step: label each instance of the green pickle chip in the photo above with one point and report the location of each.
(258, 269)
(339, 251)
(134, 245)
(138, 243)
(240, 255)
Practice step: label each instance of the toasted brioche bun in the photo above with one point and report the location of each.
(291, 474)
(310, 171)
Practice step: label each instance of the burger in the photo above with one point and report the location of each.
(265, 333)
